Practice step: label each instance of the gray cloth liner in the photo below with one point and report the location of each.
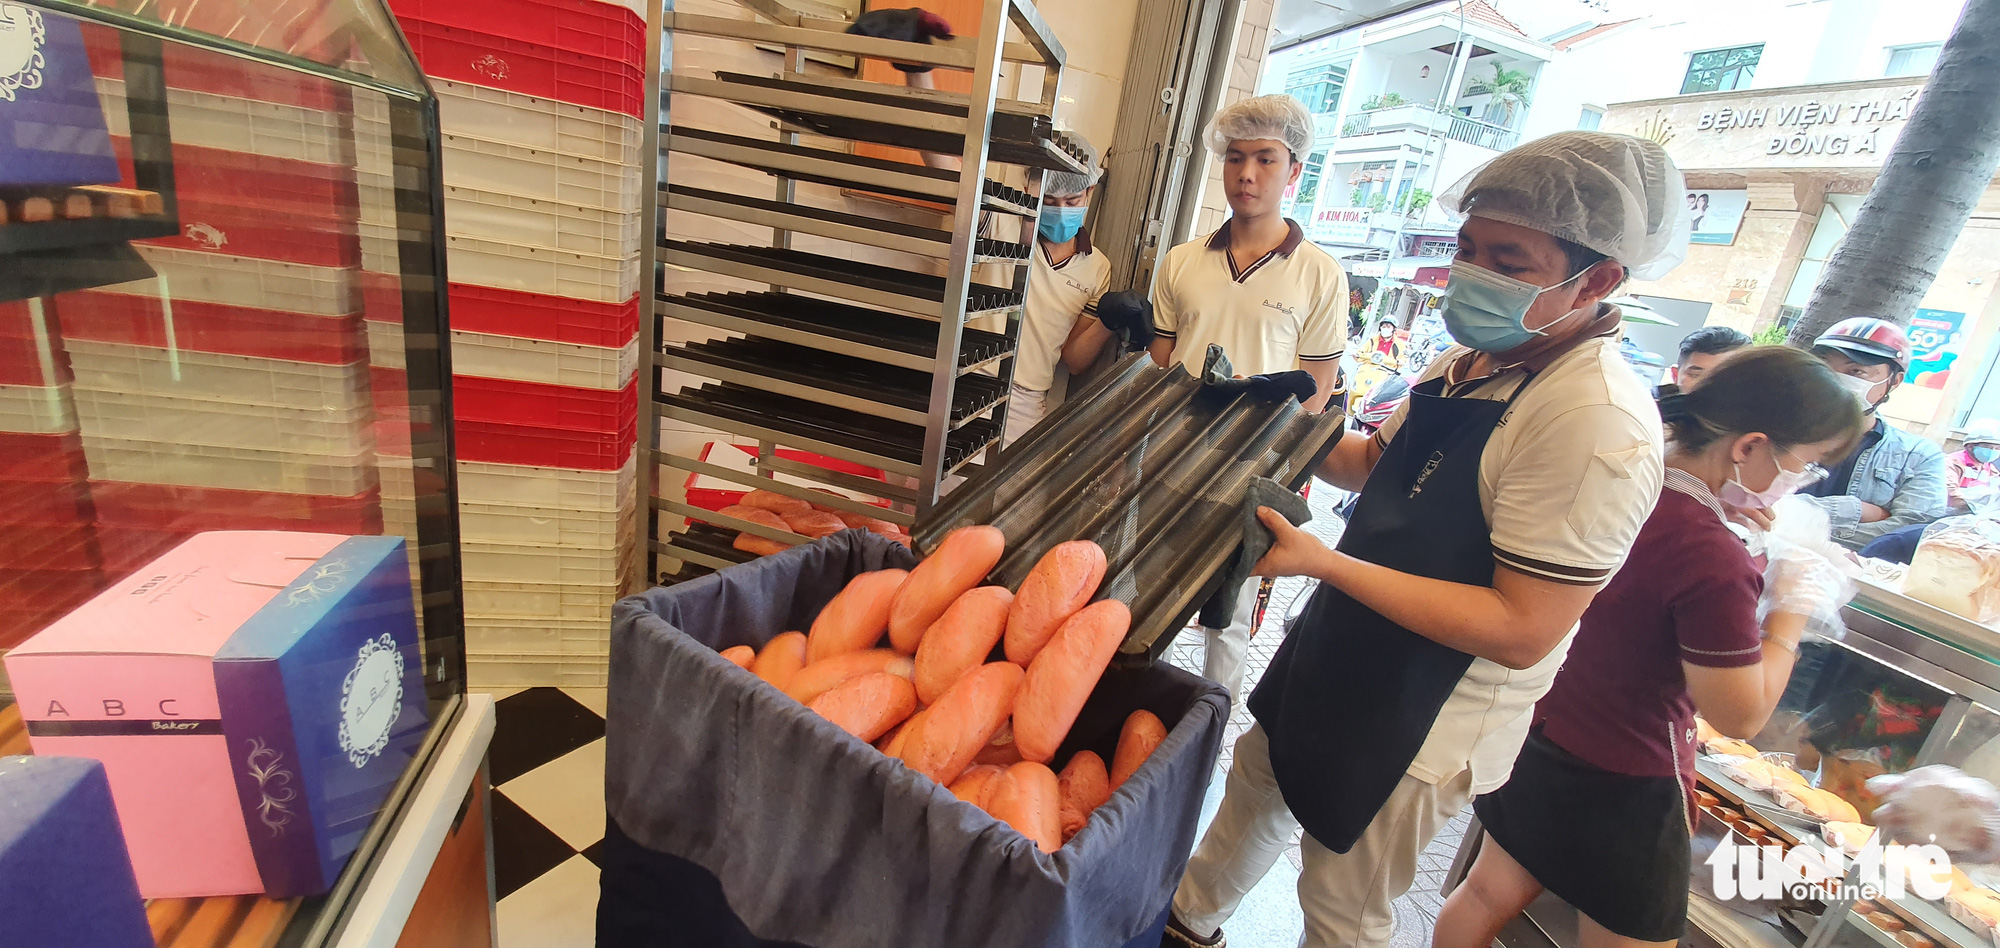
(819, 838)
(1257, 539)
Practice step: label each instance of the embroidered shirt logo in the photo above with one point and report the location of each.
(1281, 307)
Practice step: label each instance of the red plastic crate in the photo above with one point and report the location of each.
(51, 546)
(44, 502)
(535, 316)
(283, 187)
(22, 348)
(257, 232)
(169, 507)
(214, 327)
(382, 297)
(485, 59)
(188, 67)
(543, 447)
(42, 457)
(590, 27)
(544, 406)
(391, 391)
(127, 547)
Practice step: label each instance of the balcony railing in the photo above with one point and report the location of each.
(1458, 128)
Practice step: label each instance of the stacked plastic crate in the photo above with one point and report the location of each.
(44, 499)
(230, 391)
(539, 104)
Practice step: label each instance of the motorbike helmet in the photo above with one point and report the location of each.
(1868, 340)
(1982, 431)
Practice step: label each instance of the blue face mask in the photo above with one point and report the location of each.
(1484, 310)
(1985, 454)
(1058, 225)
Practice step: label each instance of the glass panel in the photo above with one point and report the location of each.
(1720, 70)
(1913, 60)
(239, 334)
(1318, 87)
(1848, 717)
(1590, 119)
(353, 36)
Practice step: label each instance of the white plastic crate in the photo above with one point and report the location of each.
(558, 600)
(385, 345)
(37, 409)
(399, 481)
(542, 526)
(508, 218)
(517, 670)
(481, 482)
(200, 465)
(502, 116)
(186, 373)
(539, 360)
(541, 270)
(535, 634)
(377, 193)
(246, 281)
(237, 124)
(345, 432)
(484, 165)
(490, 562)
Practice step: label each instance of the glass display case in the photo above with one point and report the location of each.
(1908, 685)
(223, 399)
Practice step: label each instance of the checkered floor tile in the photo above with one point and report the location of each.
(548, 815)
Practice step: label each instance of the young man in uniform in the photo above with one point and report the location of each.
(1493, 506)
(1066, 278)
(1274, 302)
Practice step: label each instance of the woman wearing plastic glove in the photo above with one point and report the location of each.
(1611, 755)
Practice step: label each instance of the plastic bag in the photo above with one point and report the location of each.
(1805, 572)
(1942, 805)
(1957, 567)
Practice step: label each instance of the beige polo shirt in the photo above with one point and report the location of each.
(1057, 294)
(1568, 477)
(1270, 315)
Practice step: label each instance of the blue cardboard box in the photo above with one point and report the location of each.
(323, 706)
(65, 879)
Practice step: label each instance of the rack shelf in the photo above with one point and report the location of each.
(854, 357)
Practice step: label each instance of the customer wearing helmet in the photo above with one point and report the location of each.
(1258, 289)
(1972, 476)
(1494, 505)
(1066, 278)
(1894, 479)
(1678, 630)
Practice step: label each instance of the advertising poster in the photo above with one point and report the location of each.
(1937, 339)
(1715, 215)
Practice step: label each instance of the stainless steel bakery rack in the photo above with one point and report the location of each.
(865, 364)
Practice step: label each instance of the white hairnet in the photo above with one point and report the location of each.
(1278, 117)
(1618, 195)
(1069, 183)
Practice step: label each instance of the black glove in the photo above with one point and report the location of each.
(1257, 538)
(913, 25)
(1275, 387)
(1129, 314)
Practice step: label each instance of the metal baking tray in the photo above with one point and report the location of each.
(842, 170)
(862, 282)
(836, 380)
(1153, 467)
(820, 222)
(904, 341)
(892, 446)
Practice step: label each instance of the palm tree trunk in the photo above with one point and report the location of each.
(1928, 187)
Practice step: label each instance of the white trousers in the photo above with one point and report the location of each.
(1228, 648)
(1025, 409)
(1346, 896)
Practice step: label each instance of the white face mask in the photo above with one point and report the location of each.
(1785, 483)
(1861, 388)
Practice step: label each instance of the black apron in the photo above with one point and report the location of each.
(1350, 696)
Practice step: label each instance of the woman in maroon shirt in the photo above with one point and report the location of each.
(1597, 810)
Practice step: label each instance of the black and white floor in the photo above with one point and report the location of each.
(548, 807)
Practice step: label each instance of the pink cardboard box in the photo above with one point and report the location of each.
(128, 678)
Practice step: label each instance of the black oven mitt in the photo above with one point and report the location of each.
(1217, 378)
(1257, 539)
(1129, 314)
(909, 26)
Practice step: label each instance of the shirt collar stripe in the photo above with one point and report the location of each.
(1677, 479)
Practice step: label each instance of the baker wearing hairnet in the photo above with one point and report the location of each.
(1066, 278)
(1493, 506)
(1255, 287)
